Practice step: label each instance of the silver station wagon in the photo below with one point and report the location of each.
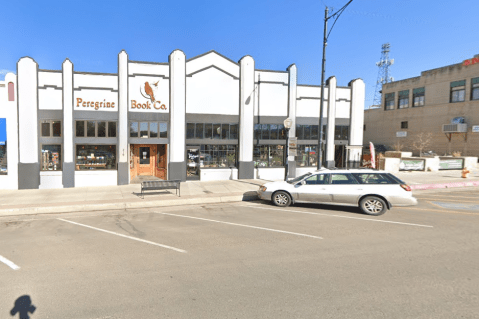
(372, 190)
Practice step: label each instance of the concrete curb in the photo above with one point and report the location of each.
(444, 185)
(123, 206)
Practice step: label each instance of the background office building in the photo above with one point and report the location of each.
(206, 118)
(427, 104)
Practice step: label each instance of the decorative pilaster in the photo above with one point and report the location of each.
(356, 123)
(177, 161)
(68, 165)
(330, 126)
(28, 164)
(123, 129)
(246, 120)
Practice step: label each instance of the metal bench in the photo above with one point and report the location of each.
(159, 185)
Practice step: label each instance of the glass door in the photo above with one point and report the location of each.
(193, 163)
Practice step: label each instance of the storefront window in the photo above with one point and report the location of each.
(190, 130)
(51, 158)
(111, 129)
(90, 128)
(219, 156)
(307, 156)
(143, 129)
(153, 129)
(216, 131)
(134, 129)
(268, 156)
(95, 157)
(51, 128)
(80, 128)
(3, 147)
(199, 130)
(273, 131)
(265, 132)
(208, 130)
(163, 130)
(57, 128)
(257, 131)
(233, 131)
(225, 131)
(45, 128)
(101, 129)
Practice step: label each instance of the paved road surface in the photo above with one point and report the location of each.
(247, 260)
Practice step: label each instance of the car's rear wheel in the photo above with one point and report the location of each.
(373, 205)
(281, 199)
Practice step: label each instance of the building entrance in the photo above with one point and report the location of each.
(339, 156)
(148, 160)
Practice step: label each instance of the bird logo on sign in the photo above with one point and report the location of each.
(148, 91)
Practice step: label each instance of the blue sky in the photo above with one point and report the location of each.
(423, 34)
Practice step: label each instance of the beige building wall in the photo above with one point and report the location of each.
(381, 126)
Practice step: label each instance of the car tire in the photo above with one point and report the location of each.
(281, 199)
(373, 205)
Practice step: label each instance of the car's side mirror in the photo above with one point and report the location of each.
(301, 183)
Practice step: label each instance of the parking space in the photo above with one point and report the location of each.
(211, 260)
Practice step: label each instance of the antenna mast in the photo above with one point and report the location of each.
(383, 73)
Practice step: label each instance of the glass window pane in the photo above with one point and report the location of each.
(57, 128)
(153, 129)
(281, 132)
(101, 129)
(276, 155)
(163, 130)
(51, 158)
(80, 128)
(337, 132)
(199, 130)
(265, 132)
(134, 129)
(209, 130)
(307, 132)
(143, 129)
(111, 129)
(345, 133)
(216, 131)
(89, 157)
(475, 94)
(257, 131)
(299, 132)
(343, 179)
(90, 128)
(46, 128)
(273, 129)
(144, 155)
(225, 131)
(233, 131)
(190, 130)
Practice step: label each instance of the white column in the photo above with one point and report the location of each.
(28, 166)
(357, 118)
(177, 146)
(331, 82)
(123, 129)
(68, 165)
(292, 93)
(246, 125)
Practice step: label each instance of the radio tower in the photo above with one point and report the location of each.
(383, 73)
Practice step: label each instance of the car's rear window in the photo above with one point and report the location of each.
(395, 179)
(374, 178)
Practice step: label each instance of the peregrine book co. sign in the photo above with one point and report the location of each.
(148, 94)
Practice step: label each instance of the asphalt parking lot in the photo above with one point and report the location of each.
(247, 260)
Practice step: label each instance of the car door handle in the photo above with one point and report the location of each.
(359, 189)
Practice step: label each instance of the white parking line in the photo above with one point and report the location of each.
(8, 263)
(121, 235)
(350, 217)
(242, 225)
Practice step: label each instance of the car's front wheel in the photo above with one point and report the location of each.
(373, 205)
(281, 199)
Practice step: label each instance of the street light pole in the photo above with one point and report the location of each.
(325, 43)
(320, 128)
(287, 125)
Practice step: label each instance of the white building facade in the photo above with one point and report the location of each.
(206, 118)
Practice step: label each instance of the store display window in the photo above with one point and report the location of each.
(219, 156)
(95, 157)
(268, 156)
(307, 156)
(51, 158)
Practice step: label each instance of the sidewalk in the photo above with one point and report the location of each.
(44, 201)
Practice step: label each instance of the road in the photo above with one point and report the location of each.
(247, 260)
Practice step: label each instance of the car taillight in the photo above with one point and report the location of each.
(406, 187)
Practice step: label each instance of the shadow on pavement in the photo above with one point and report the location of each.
(23, 306)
